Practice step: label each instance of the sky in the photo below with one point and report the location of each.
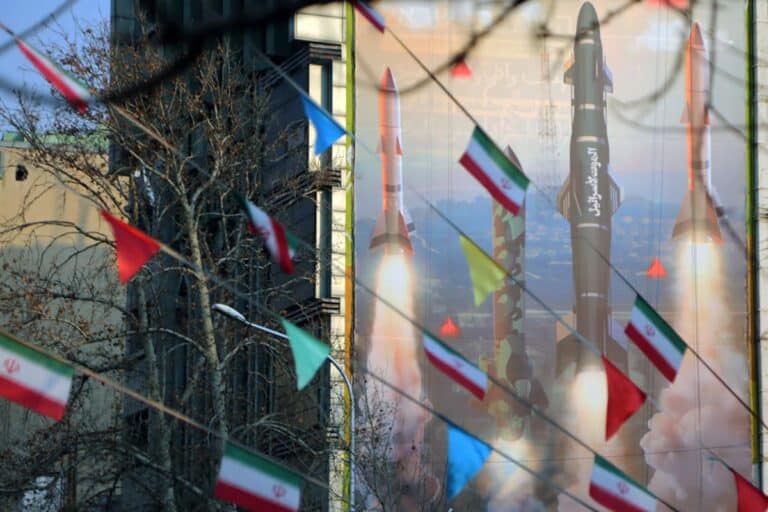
(508, 94)
(25, 14)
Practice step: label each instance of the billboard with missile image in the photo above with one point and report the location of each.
(550, 232)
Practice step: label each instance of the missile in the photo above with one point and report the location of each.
(699, 213)
(589, 198)
(393, 227)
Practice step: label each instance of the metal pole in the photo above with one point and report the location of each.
(236, 315)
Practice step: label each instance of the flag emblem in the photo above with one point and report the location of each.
(11, 366)
(649, 330)
(623, 488)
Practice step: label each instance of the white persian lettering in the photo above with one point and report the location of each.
(595, 198)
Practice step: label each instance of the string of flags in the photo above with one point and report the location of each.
(43, 384)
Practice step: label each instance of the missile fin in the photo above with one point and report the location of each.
(564, 199)
(567, 353)
(568, 74)
(698, 219)
(607, 77)
(707, 120)
(398, 146)
(685, 117)
(410, 226)
(379, 230)
(616, 193)
(380, 146)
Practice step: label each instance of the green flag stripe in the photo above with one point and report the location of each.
(262, 464)
(660, 324)
(37, 357)
(603, 463)
(504, 163)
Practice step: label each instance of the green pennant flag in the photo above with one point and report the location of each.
(487, 276)
(309, 353)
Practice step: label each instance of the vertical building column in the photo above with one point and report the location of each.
(758, 240)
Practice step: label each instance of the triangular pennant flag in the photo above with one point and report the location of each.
(748, 497)
(655, 338)
(449, 328)
(134, 247)
(326, 127)
(281, 245)
(461, 70)
(486, 275)
(656, 270)
(624, 398)
(33, 379)
(309, 353)
(369, 13)
(75, 92)
(466, 456)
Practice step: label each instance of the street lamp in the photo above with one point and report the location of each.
(236, 315)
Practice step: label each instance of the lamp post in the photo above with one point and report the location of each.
(236, 315)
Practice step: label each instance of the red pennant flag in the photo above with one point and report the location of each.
(624, 398)
(749, 497)
(461, 70)
(449, 329)
(656, 270)
(134, 247)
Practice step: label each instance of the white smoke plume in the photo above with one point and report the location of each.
(696, 410)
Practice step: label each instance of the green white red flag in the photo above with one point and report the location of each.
(611, 488)
(455, 366)
(255, 483)
(33, 379)
(489, 165)
(281, 247)
(655, 338)
(74, 91)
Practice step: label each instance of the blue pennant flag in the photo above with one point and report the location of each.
(466, 455)
(326, 127)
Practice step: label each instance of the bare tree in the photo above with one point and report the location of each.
(177, 155)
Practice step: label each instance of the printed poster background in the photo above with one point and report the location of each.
(517, 94)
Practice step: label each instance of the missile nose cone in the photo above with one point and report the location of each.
(587, 18)
(696, 40)
(388, 81)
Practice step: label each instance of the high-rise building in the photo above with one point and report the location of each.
(302, 191)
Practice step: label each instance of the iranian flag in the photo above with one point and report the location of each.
(254, 483)
(33, 379)
(616, 491)
(495, 171)
(655, 338)
(453, 364)
(74, 91)
(281, 247)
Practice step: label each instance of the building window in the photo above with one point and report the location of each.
(21, 173)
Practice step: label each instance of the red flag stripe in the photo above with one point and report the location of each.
(283, 251)
(457, 376)
(651, 353)
(611, 501)
(480, 175)
(31, 399)
(244, 499)
(53, 76)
